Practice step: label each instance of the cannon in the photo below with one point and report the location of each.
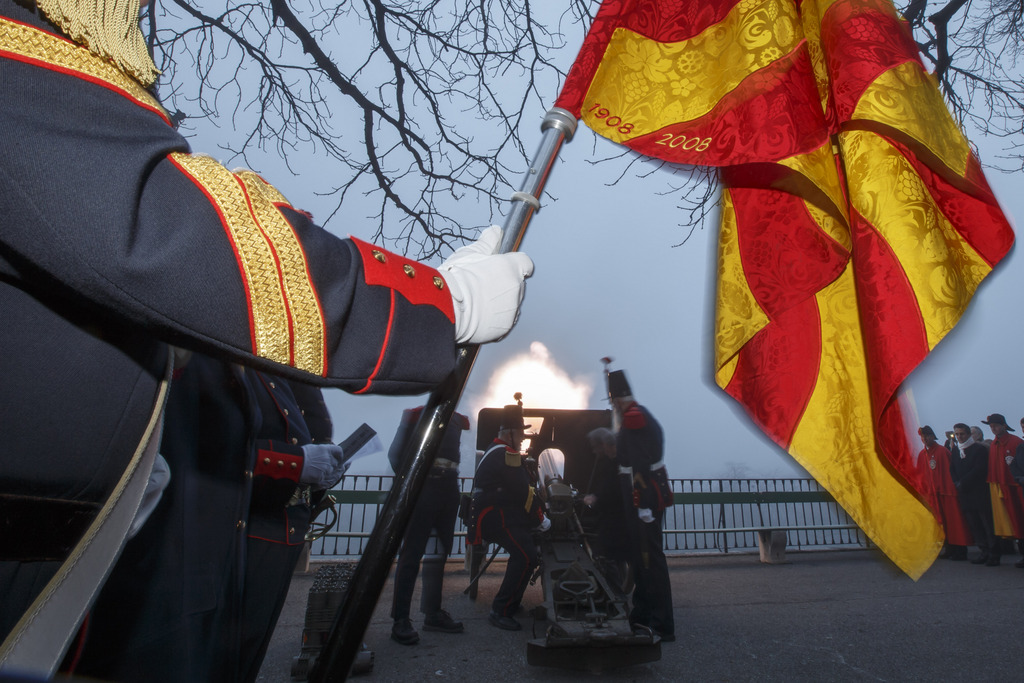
(583, 621)
(585, 617)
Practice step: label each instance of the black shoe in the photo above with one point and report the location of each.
(993, 561)
(980, 559)
(505, 623)
(1019, 564)
(959, 558)
(403, 632)
(665, 637)
(443, 622)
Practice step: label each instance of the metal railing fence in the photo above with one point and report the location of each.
(709, 515)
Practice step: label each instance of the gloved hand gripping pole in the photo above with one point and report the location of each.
(367, 582)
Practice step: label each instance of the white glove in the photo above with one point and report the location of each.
(486, 288)
(323, 465)
(544, 525)
(645, 515)
(1009, 460)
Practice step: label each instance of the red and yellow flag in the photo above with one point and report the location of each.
(856, 222)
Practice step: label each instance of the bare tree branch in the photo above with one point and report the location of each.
(447, 90)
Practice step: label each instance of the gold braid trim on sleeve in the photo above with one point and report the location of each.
(287, 321)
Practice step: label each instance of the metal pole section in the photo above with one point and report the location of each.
(343, 642)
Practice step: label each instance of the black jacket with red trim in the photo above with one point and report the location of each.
(115, 240)
(223, 540)
(498, 484)
(640, 445)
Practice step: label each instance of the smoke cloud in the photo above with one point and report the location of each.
(542, 382)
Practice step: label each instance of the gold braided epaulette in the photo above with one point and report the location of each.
(31, 45)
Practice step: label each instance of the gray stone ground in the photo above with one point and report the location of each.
(822, 616)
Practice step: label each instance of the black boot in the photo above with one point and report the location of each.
(403, 632)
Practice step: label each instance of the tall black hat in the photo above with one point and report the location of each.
(512, 415)
(617, 384)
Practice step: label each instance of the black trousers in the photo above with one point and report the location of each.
(435, 511)
(517, 541)
(652, 594)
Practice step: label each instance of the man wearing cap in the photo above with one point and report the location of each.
(436, 510)
(506, 509)
(933, 466)
(969, 469)
(639, 446)
(1007, 498)
(117, 241)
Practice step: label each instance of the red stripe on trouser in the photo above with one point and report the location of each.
(526, 558)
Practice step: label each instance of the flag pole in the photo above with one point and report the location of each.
(367, 582)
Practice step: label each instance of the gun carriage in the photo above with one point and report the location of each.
(583, 620)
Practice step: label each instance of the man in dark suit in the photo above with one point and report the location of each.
(969, 468)
(436, 511)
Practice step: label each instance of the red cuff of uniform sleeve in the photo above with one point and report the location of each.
(418, 283)
(277, 465)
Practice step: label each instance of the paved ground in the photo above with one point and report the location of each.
(822, 616)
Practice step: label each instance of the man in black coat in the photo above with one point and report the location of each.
(506, 509)
(969, 469)
(436, 511)
(610, 496)
(639, 446)
(116, 242)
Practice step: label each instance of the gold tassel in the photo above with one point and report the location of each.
(108, 28)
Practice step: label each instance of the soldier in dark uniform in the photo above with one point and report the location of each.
(195, 596)
(639, 446)
(969, 469)
(607, 496)
(436, 511)
(505, 510)
(116, 241)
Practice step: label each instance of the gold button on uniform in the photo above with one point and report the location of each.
(409, 270)
(438, 282)
(379, 255)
